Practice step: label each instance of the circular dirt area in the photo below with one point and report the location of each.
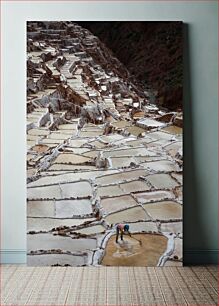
(131, 252)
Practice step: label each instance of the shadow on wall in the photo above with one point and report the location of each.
(193, 232)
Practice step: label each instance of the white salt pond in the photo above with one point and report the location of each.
(51, 242)
(54, 259)
(149, 123)
(139, 142)
(77, 143)
(173, 129)
(67, 126)
(69, 208)
(40, 209)
(149, 196)
(107, 191)
(66, 167)
(172, 227)
(55, 142)
(139, 227)
(162, 166)
(90, 133)
(91, 230)
(160, 136)
(165, 210)
(33, 137)
(161, 181)
(98, 144)
(134, 186)
(119, 177)
(77, 151)
(117, 203)
(131, 214)
(60, 191)
(70, 158)
(67, 177)
(59, 136)
(129, 152)
(173, 148)
(47, 224)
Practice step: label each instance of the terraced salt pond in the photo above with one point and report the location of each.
(117, 203)
(67, 167)
(162, 166)
(139, 142)
(123, 188)
(162, 181)
(56, 259)
(54, 142)
(89, 134)
(76, 151)
(69, 177)
(47, 224)
(38, 132)
(70, 158)
(111, 138)
(131, 253)
(40, 209)
(172, 129)
(61, 191)
(165, 210)
(161, 136)
(144, 197)
(134, 186)
(92, 230)
(58, 136)
(51, 242)
(135, 130)
(129, 152)
(172, 227)
(143, 226)
(127, 215)
(119, 162)
(70, 208)
(119, 177)
(77, 143)
(98, 144)
(173, 148)
(109, 191)
(68, 126)
(33, 137)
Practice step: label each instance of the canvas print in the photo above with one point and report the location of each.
(104, 131)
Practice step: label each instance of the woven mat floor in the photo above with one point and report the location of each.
(21, 285)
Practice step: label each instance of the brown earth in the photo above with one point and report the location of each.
(131, 253)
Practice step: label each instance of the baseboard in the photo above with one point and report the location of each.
(200, 257)
(13, 256)
(191, 257)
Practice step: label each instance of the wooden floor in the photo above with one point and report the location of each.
(23, 285)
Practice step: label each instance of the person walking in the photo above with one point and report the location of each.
(122, 229)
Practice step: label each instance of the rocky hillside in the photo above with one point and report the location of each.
(152, 52)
